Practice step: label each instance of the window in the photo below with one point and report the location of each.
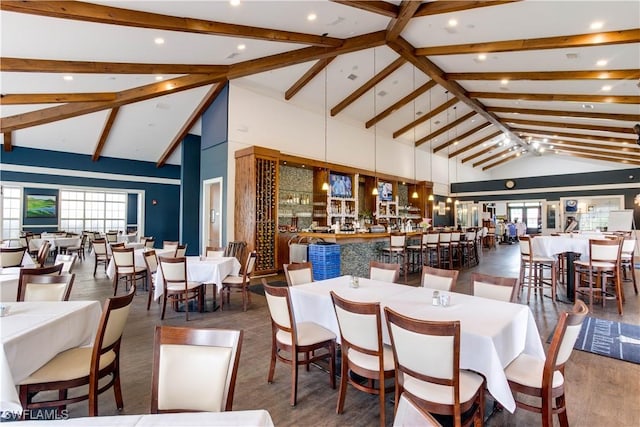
(11, 212)
(92, 210)
(529, 213)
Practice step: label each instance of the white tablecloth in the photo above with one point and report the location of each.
(34, 332)
(255, 418)
(493, 333)
(204, 270)
(549, 246)
(56, 242)
(138, 255)
(9, 284)
(128, 238)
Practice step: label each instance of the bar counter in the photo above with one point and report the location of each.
(357, 249)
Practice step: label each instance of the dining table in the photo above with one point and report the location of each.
(493, 333)
(33, 333)
(9, 279)
(254, 418)
(57, 243)
(204, 270)
(138, 256)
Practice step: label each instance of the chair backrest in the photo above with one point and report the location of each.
(112, 237)
(45, 287)
(563, 340)
(445, 238)
(410, 413)
(117, 245)
(151, 261)
(24, 242)
(213, 252)
(525, 247)
(384, 271)
(43, 253)
(495, 287)
(174, 271)
(470, 236)
(181, 250)
(250, 265)
(11, 257)
(608, 250)
(99, 247)
(428, 351)
(279, 303)
(298, 273)
(360, 326)
(397, 240)
(628, 246)
(438, 278)
(236, 249)
(170, 244)
(455, 236)
(433, 238)
(124, 259)
(51, 270)
(149, 242)
(194, 369)
(67, 261)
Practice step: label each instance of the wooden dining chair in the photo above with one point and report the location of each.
(533, 269)
(289, 337)
(149, 242)
(495, 287)
(43, 254)
(177, 287)
(151, 262)
(239, 283)
(170, 244)
(427, 360)
(126, 268)
(45, 287)
(627, 261)
(100, 254)
(11, 257)
(112, 237)
(410, 414)
(181, 250)
(363, 352)
(384, 271)
(439, 278)
(544, 379)
(213, 252)
(83, 366)
(194, 369)
(397, 250)
(78, 249)
(68, 261)
(298, 273)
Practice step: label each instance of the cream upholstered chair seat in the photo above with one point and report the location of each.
(370, 362)
(469, 384)
(308, 333)
(527, 370)
(70, 364)
(180, 287)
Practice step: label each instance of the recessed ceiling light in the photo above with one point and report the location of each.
(603, 76)
(587, 106)
(596, 25)
(242, 46)
(601, 62)
(158, 78)
(158, 40)
(234, 2)
(482, 57)
(68, 78)
(453, 22)
(504, 81)
(311, 17)
(606, 88)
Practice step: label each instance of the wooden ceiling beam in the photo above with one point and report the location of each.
(501, 161)
(7, 141)
(625, 148)
(444, 129)
(386, 72)
(556, 42)
(549, 75)
(105, 133)
(453, 141)
(609, 99)
(439, 109)
(588, 150)
(397, 25)
(27, 65)
(474, 144)
(88, 12)
(565, 125)
(54, 98)
(442, 6)
(375, 6)
(495, 156)
(405, 49)
(398, 105)
(307, 77)
(129, 96)
(602, 158)
(479, 153)
(207, 100)
(574, 135)
(558, 113)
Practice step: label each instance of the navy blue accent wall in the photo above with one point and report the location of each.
(442, 220)
(215, 149)
(38, 225)
(190, 194)
(161, 217)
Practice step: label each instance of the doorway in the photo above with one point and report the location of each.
(212, 216)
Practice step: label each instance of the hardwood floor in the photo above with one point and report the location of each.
(600, 391)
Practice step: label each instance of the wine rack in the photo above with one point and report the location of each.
(265, 214)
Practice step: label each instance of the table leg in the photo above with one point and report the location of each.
(571, 256)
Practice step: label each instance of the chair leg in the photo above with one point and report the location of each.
(272, 365)
(562, 411)
(164, 305)
(381, 396)
(342, 392)
(294, 377)
(117, 390)
(149, 296)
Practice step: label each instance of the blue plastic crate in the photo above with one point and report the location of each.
(325, 259)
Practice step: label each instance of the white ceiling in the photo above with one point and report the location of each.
(145, 129)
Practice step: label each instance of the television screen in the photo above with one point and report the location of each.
(385, 193)
(340, 185)
(41, 206)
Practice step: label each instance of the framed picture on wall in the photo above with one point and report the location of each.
(442, 208)
(41, 206)
(571, 206)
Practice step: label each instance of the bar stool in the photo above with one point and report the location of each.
(415, 252)
(626, 261)
(432, 249)
(397, 249)
(455, 250)
(444, 250)
(533, 269)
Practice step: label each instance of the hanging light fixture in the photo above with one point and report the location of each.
(325, 184)
(414, 195)
(374, 192)
(431, 197)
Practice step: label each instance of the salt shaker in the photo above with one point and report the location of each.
(436, 298)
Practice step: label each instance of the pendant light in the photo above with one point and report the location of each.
(374, 192)
(431, 197)
(414, 195)
(448, 149)
(325, 184)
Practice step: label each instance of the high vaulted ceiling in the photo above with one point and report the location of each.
(480, 81)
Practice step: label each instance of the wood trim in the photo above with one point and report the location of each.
(105, 133)
(307, 77)
(443, 129)
(55, 98)
(461, 137)
(88, 12)
(424, 118)
(495, 156)
(534, 111)
(474, 144)
(610, 99)
(442, 6)
(480, 153)
(549, 75)
(258, 151)
(556, 42)
(625, 148)
(404, 101)
(8, 136)
(27, 65)
(397, 25)
(375, 6)
(501, 161)
(567, 125)
(386, 72)
(606, 159)
(586, 150)
(208, 99)
(574, 135)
